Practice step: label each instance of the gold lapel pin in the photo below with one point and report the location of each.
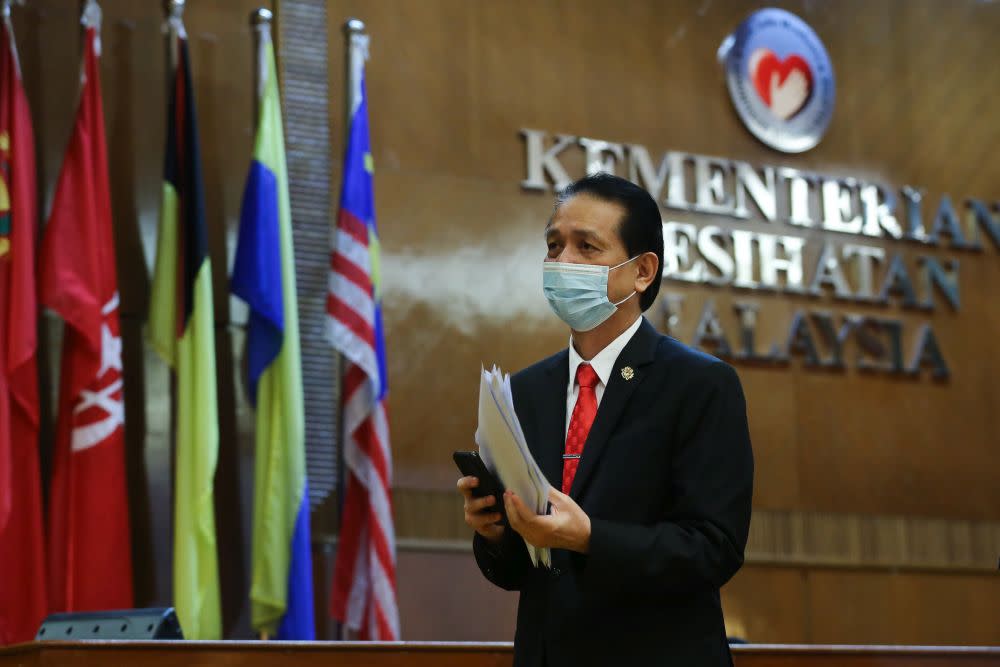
(628, 373)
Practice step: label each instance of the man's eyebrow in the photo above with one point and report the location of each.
(588, 234)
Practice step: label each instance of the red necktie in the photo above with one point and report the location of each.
(579, 424)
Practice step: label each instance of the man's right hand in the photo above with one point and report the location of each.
(484, 523)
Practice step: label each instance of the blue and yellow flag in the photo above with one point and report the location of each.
(281, 596)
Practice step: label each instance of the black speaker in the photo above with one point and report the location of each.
(154, 623)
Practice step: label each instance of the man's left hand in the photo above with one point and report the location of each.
(567, 527)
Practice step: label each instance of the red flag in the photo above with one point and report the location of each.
(89, 546)
(22, 574)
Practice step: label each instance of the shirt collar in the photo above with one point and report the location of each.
(604, 361)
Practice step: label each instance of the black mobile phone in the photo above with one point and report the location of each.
(471, 465)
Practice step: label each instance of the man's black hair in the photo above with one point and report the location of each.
(641, 229)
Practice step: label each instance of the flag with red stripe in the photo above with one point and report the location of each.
(364, 581)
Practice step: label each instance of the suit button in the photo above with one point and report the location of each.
(556, 572)
(489, 572)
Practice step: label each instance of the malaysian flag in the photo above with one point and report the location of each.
(364, 580)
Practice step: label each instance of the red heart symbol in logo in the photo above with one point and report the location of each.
(784, 85)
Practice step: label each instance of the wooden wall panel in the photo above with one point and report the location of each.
(852, 606)
(763, 604)
(444, 597)
(911, 608)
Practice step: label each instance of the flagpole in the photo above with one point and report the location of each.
(5, 8)
(91, 17)
(354, 32)
(260, 21)
(175, 29)
(353, 29)
(5, 17)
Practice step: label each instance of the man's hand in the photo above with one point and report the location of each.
(482, 522)
(567, 527)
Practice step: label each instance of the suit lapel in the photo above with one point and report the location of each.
(552, 419)
(637, 353)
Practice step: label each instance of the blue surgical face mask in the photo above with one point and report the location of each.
(578, 293)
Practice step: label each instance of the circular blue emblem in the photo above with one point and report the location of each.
(780, 79)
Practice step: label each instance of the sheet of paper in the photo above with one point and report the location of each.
(505, 452)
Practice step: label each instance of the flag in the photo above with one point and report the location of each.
(22, 557)
(281, 593)
(182, 331)
(364, 580)
(90, 563)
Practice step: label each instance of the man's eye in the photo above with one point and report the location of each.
(587, 246)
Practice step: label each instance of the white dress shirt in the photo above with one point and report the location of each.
(603, 363)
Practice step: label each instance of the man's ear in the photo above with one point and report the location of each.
(647, 263)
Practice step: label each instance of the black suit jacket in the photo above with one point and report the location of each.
(666, 478)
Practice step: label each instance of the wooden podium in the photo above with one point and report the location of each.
(434, 654)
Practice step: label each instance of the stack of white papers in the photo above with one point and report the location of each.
(504, 451)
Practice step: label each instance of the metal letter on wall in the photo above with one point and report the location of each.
(541, 161)
(602, 155)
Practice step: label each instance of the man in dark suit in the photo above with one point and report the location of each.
(648, 440)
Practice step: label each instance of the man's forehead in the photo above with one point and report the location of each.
(586, 215)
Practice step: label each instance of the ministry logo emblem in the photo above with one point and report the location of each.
(780, 79)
